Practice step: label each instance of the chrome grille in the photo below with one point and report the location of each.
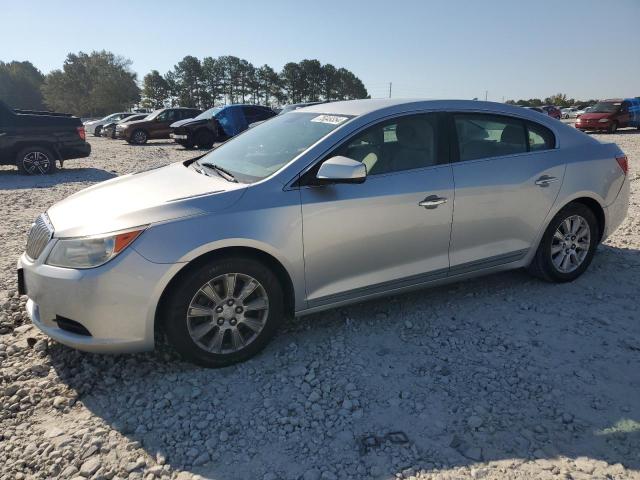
(40, 234)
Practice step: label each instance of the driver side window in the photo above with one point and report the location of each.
(399, 144)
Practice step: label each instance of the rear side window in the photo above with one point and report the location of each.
(540, 138)
(484, 136)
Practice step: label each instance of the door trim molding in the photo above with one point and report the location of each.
(415, 280)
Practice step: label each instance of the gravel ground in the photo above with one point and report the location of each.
(500, 377)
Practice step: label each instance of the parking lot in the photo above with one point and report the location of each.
(499, 377)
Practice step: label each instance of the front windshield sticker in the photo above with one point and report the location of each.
(330, 119)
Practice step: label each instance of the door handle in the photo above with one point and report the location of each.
(546, 180)
(432, 201)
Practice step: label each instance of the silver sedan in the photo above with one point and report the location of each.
(324, 206)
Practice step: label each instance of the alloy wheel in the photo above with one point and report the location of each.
(570, 244)
(36, 162)
(139, 137)
(227, 313)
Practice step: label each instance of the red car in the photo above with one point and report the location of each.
(553, 111)
(609, 115)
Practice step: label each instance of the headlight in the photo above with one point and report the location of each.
(603, 120)
(89, 252)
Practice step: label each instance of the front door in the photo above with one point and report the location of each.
(391, 231)
(507, 179)
(160, 128)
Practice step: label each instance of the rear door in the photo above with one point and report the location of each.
(507, 177)
(624, 117)
(373, 237)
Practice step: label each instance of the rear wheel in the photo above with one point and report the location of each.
(139, 137)
(568, 245)
(224, 312)
(613, 127)
(35, 161)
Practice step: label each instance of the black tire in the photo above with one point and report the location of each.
(139, 137)
(543, 266)
(97, 131)
(204, 140)
(174, 316)
(613, 128)
(36, 160)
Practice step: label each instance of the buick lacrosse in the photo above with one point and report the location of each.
(323, 206)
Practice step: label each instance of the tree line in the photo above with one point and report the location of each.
(559, 100)
(229, 79)
(98, 83)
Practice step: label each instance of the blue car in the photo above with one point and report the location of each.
(217, 124)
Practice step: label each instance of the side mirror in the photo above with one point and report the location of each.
(341, 170)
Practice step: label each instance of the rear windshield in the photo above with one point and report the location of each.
(605, 107)
(262, 150)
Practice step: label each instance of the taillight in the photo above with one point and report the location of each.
(82, 133)
(624, 163)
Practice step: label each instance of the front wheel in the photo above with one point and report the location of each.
(204, 140)
(35, 161)
(224, 312)
(139, 137)
(568, 245)
(97, 131)
(613, 127)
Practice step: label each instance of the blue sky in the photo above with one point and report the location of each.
(433, 49)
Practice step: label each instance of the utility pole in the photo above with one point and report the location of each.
(389, 89)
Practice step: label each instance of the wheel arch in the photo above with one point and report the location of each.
(18, 147)
(588, 201)
(269, 260)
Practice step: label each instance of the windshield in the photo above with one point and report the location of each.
(112, 117)
(605, 107)
(262, 150)
(207, 114)
(154, 114)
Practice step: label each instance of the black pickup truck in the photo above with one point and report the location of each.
(33, 141)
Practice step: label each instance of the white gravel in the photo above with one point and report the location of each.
(499, 377)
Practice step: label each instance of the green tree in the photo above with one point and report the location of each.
(92, 84)
(268, 86)
(20, 84)
(155, 90)
(292, 82)
(188, 82)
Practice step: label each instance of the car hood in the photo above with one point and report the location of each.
(186, 121)
(156, 195)
(189, 121)
(135, 122)
(594, 116)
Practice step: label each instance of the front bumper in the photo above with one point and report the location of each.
(116, 302)
(123, 134)
(592, 126)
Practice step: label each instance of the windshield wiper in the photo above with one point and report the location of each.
(223, 172)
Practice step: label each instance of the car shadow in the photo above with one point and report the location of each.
(154, 143)
(497, 368)
(14, 180)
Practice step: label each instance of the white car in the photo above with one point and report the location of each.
(95, 126)
(582, 111)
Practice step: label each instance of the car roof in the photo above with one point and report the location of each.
(363, 107)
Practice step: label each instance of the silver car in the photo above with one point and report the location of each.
(95, 126)
(324, 206)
